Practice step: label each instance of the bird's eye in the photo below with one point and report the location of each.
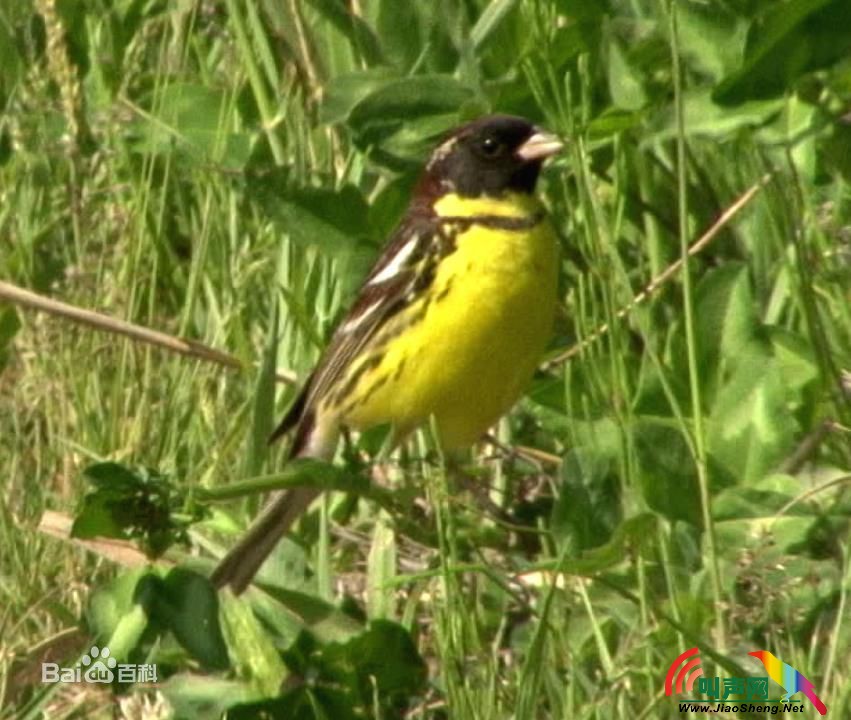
(491, 147)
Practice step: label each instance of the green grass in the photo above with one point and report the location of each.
(227, 172)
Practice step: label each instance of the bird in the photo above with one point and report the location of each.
(447, 327)
(788, 678)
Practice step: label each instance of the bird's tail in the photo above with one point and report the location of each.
(815, 700)
(241, 563)
(244, 559)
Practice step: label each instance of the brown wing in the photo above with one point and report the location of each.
(385, 292)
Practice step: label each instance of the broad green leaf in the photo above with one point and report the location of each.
(764, 499)
(98, 517)
(303, 703)
(325, 621)
(704, 117)
(132, 504)
(574, 39)
(712, 37)
(383, 111)
(188, 605)
(333, 220)
(588, 506)
(612, 122)
(625, 85)
(346, 21)
(726, 327)
(750, 429)
(795, 361)
(547, 392)
(113, 600)
(111, 475)
(666, 470)
(798, 126)
(118, 612)
(195, 120)
(204, 697)
(601, 437)
(402, 27)
(412, 141)
(129, 631)
(631, 535)
(378, 669)
(493, 15)
(793, 38)
(251, 649)
(726, 314)
(343, 93)
(408, 98)
(388, 207)
(384, 658)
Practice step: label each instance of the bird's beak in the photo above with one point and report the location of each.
(539, 146)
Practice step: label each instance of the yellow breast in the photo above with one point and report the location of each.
(475, 339)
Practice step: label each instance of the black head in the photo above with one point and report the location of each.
(491, 156)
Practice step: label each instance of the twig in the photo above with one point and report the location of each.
(105, 323)
(796, 461)
(807, 494)
(122, 552)
(530, 454)
(666, 274)
(192, 348)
